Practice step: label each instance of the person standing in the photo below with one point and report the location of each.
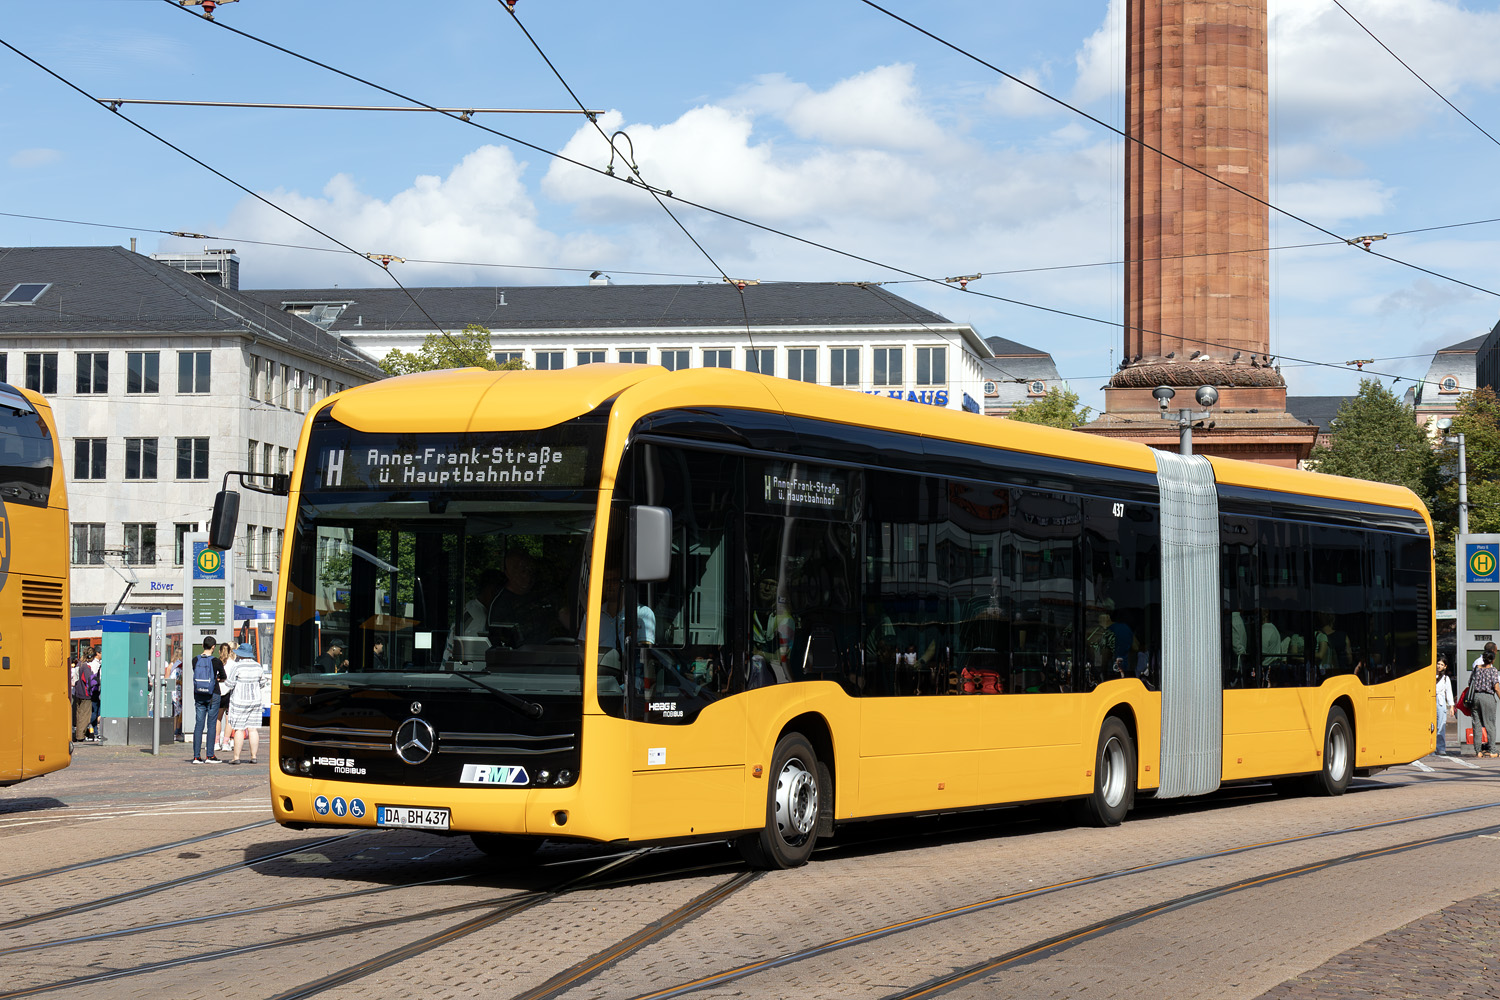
(205, 700)
(92, 681)
(1486, 706)
(1444, 704)
(246, 676)
(224, 655)
(82, 705)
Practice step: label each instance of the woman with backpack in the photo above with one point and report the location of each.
(244, 701)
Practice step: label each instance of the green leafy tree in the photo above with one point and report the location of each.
(1376, 437)
(1059, 408)
(1478, 420)
(469, 349)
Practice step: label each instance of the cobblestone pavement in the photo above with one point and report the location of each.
(1394, 918)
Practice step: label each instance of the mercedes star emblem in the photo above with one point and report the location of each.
(415, 741)
(416, 708)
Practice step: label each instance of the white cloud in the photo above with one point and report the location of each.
(28, 159)
(1331, 202)
(480, 212)
(880, 108)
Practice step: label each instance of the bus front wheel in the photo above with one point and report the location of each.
(794, 800)
(1114, 776)
(1338, 755)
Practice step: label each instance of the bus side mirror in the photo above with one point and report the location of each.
(225, 520)
(650, 544)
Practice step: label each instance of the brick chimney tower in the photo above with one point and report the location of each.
(1197, 286)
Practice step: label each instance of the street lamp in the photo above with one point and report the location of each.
(1206, 396)
(1444, 425)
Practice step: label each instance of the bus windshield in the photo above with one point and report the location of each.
(25, 451)
(439, 593)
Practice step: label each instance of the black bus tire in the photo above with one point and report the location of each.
(794, 801)
(1114, 776)
(1338, 755)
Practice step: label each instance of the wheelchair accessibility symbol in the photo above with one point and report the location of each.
(357, 808)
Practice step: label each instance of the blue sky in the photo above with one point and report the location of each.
(825, 119)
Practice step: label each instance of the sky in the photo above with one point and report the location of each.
(824, 120)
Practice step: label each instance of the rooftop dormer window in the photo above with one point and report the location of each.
(1449, 384)
(26, 293)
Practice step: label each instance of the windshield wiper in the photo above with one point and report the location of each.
(530, 709)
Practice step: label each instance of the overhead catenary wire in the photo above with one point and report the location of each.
(635, 171)
(222, 176)
(706, 208)
(114, 103)
(1167, 156)
(1414, 73)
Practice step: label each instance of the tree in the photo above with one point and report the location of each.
(469, 349)
(1059, 408)
(1375, 436)
(1478, 420)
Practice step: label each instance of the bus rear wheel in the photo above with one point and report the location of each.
(507, 846)
(794, 801)
(1338, 755)
(1114, 776)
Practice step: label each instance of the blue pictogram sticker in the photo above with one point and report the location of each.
(339, 807)
(357, 808)
(320, 805)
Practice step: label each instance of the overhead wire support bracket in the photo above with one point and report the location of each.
(1365, 241)
(962, 281)
(385, 260)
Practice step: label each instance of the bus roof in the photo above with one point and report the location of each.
(474, 399)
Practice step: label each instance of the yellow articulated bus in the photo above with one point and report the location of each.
(35, 724)
(620, 604)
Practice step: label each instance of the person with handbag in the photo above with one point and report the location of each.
(1444, 705)
(247, 676)
(1485, 703)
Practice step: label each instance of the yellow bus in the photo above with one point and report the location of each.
(35, 716)
(620, 604)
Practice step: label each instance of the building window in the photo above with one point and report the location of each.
(309, 389)
(888, 366)
(93, 372)
(802, 364)
(192, 458)
(26, 293)
(932, 366)
(250, 465)
(1449, 384)
(140, 545)
(1036, 388)
(89, 457)
(268, 557)
(502, 357)
(549, 361)
(632, 357)
(326, 391)
(142, 371)
(252, 536)
(140, 458)
(179, 540)
(192, 371)
(280, 461)
(41, 372)
(843, 366)
(4, 367)
(266, 451)
(591, 357)
(761, 360)
(284, 387)
(295, 391)
(674, 361)
(718, 357)
(267, 381)
(88, 544)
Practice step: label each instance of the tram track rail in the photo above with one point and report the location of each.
(131, 855)
(129, 895)
(746, 970)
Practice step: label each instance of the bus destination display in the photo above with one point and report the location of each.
(469, 461)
